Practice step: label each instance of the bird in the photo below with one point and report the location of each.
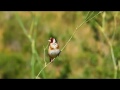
(53, 50)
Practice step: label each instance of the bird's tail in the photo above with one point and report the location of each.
(51, 59)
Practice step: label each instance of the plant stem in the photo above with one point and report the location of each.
(32, 66)
(86, 20)
(118, 69)
(110, 45)
(112, 55)
(33, 57)
(114, 62)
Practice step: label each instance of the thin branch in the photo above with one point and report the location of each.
(77, 29)
(110, 45)
(44, 54)
(67, 42)
(44, 68)
(114, 26)
(89, 15)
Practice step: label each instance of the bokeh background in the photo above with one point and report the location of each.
(87, 55)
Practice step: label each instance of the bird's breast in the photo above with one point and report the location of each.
(54, 52)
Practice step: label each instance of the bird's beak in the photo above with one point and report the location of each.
(48, 40)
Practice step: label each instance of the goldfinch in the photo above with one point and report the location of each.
(53, 50)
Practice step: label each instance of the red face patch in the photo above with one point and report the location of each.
(51, 40)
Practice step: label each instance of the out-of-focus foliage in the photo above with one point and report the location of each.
(86, 56)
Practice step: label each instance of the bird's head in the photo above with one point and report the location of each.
(52, 40)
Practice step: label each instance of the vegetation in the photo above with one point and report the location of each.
(89, 43)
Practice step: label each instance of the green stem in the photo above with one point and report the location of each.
(118, 69)
(110, 45)
(33, 58)
(86, 20)
(115, 73)
(32, 66)
(113, 56)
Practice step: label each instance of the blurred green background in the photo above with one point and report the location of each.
(87, 55)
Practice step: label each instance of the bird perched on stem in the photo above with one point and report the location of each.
(53, 50)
